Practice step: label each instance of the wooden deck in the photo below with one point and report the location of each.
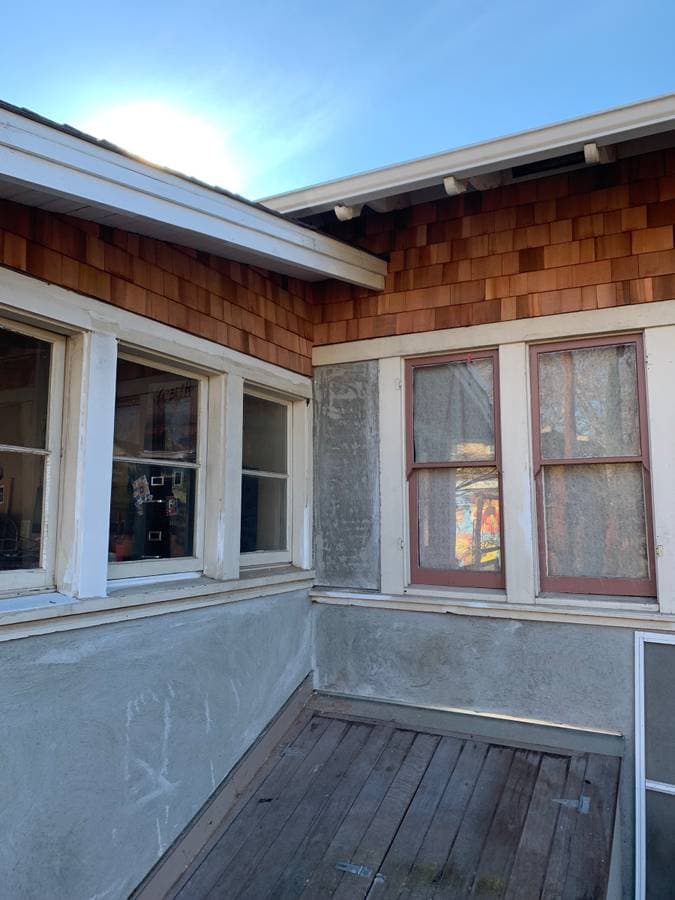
(354, 809)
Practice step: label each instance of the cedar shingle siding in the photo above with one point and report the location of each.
(597, 237)
(242, 307)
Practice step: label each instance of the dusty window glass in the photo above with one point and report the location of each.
(24, 395)
(459, 519)
(593, 490)
(595, 521)
(453, 417)
(588, 403)
(264, 486)
(152, 513)
(454, 480)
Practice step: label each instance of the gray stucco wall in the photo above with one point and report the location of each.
(568, 674)
(346, 476)
(113, 737)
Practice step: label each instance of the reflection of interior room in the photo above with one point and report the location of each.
(23, 420)
(152, 507)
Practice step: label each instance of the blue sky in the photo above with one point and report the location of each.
(262, 97)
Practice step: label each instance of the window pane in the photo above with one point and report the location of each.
(595, 521)
(263, 513)
(264, 435)
(155, 413)
(24, 389)
(21, 480)
(152, 512)
(458, 518)
(453, 415)
(588, 403)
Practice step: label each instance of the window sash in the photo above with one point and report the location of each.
(261, 558)
(608, 586)
(450, 577)
(43, 577)
(194, 563)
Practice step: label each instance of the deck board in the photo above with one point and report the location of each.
(359, 809)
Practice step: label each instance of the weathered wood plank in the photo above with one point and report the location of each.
(314, 847)
(499, 850)
(568, 818)
(405, 846)
(326, 877)
(378, 838)
(274, 860)
(529, 866)
(460, 868)
(237, 829)
(588, 869)
(421, 881)
(238, 870)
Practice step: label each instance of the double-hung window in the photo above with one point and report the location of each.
(157, 491)
(31, 408)
(591, 465)
(266, 501)
(453, 452)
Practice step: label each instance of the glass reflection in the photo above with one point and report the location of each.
(263, 513)
(24, 393)
(21, 497)
(155, 413)
(152, 512)
(459, 519)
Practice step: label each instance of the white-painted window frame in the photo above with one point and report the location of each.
(519, 508)
(179, 565)
(642, 783)
(89, 334)
(43, 577)
(264, 558)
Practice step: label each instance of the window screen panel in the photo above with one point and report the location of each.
(595, 521)
(588, 402)
(459, 519)
(660, 841)
(660, 712)
(453, 418)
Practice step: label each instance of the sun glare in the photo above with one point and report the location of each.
(172, 137)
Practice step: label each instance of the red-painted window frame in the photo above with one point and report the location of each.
(451, 577)
(629, 587)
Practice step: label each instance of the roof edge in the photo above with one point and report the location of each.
(61, 161)
(620, 123)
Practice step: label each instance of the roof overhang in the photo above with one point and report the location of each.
(615, 126)
(54, 168)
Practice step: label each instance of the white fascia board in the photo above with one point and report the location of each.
(611, 126)
(50, 160)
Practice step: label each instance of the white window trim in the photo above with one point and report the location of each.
(89, 331)
(259, 558)
(44, 576)
(642, 784)
(520, 519)
(178, 565)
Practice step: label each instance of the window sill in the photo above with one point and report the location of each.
(587, 610)
(43, 613)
